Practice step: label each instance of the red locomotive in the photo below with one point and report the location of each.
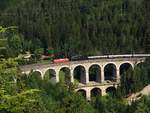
(60, 60)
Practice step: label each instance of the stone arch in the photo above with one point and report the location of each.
(35, 79)
(79, 73)
(95, 73)
(50, 75)
(37, 73)
(110, 72)
(124, 67)
(96, 92)
(127, 62)
(82, 92)
(111, 91)
(65, 75)
(64, 66)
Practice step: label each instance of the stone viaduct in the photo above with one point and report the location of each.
(94, 76)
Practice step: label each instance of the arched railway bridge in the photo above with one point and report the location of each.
(94, 76)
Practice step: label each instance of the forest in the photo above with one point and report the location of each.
(85, 27)
(67, 28)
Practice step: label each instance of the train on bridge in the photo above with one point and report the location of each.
(81, 57)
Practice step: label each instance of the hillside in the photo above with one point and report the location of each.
(88, 27)
(47, 31)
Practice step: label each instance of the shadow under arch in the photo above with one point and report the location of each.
(95, 73)
(35, 79)
(36, 74)
(111, 91)
(96, 92)
(82, 93)
(79, 74)
(125, 67)
(110, 72)
(65, 75)
(50, 75)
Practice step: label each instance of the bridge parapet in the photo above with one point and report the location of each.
(46, 65)
(95, 84)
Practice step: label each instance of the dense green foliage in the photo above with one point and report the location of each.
(21, 93)
(133, 81)
(13, 98)
(81, 26)
(70, 27)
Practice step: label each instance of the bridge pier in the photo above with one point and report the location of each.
(103, 91)
(102, 75)
(118, 75)
(87, 77)
(57, 76)
(72, 76)
(88, 94)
